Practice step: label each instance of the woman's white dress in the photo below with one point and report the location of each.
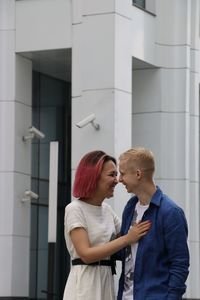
(102, 225)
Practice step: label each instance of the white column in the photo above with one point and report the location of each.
(166, 114)
(101, 80)
(172, 42)
(193, 201)
(101, 77)
(15, 116)
(161, 101)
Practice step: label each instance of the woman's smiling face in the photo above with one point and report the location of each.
(107, 180)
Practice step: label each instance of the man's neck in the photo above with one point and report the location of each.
(146, 195)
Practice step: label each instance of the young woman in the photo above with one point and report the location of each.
(91, 230)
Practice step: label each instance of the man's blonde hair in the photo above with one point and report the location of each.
(140, 158)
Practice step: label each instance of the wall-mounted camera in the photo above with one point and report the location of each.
(88, 120)
(28, 195)
(33, 133)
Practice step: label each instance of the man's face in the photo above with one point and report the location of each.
(128, 176)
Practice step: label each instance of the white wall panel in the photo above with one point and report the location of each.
(6, 204)
(194, 230)
(98, 49)
(42, 25)
(175, 90)
(23, 85)
(195, 60)
(7, 15)
(194, 18)
(146, 132)
(172, 22)
(193, 290)
(150, 6)
(122, 52)
(7, 136)
(107, 6)
(21, 211)
(15, 118)
(143, 36)
(20, 266)
(77, 7)
(172, 57)
(7, 67)
(176, 189)
(6, 246)
(98, 7)
(77, 81)
(165, 134)
(194, 148)
(194, 94)
(124, 7)
(87, 138)
(22, 149)
(146, 90)
(122, 122)
(174, 153)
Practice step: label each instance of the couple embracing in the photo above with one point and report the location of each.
(151, 239)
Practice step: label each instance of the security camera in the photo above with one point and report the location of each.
(28, 195)
(33, 133)
(37, 133)
(88, 120)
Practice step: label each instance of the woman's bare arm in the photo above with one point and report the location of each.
(91, 254)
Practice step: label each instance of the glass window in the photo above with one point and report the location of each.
(140, 3)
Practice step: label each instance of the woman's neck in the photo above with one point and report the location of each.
(93, 201)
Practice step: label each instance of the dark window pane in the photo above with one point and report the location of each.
(140, 3)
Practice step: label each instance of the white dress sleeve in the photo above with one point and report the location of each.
(74, 218)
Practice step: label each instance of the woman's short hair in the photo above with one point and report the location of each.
(88, 173)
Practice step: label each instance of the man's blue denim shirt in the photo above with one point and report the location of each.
(162, 260)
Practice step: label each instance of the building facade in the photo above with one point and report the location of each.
(136, 66)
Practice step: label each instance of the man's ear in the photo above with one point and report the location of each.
(139, 173)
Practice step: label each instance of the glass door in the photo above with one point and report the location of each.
(51, 113)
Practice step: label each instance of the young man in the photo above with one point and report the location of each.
(155, 268)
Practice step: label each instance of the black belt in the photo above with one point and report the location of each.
(106, 262)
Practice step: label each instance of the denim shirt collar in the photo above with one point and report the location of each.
(156, 198)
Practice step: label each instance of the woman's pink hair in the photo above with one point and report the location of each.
(88, 173)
